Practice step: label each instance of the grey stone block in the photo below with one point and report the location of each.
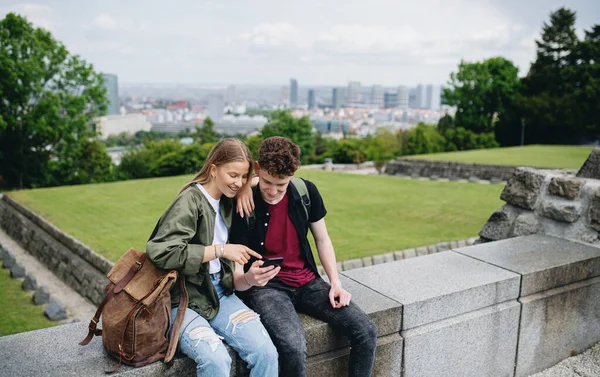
(388, 257)
(473, 179)
(525, 224)
(442, 285)
(422, 251)
(566, 187)
(523, 188)
(56, 311)
(564, 211)
(496, 180)
(30, 283)
(432, 249)
(591, 166)
(367, 261)
(41, 295)
(480, 343)
(545, 262)
(462, 243)
(339, 266)
(9, 260)
(388, 360)
(410, 253)
(453, 245)
(556, 324)
(378, 259)
(398, 255)
(3, 252)
(498, 225)
(352, 263)
(443, 246)
(594, 212)
(17, 271)
(434, 177)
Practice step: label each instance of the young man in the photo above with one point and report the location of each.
(279, 228)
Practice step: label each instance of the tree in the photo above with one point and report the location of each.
(382, 147)
(49, 99)
(298, 130)
(550, 104)
(482, 92)
(88, 162)
(206, 133)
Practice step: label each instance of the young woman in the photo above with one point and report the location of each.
(191, 237)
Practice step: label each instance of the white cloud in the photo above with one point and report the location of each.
(105, 22)
(271, 37)
(39, 15)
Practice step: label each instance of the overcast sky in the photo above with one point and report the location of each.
(387, 42)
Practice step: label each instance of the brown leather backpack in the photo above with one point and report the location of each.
(136, 312)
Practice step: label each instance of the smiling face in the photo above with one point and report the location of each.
(229, 178)
(272, 187)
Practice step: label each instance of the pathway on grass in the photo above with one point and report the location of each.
(77, 307)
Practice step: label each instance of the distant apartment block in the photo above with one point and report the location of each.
(390, 100)
(377, 96)
(216, 106)
(293, 92)
(312, 100)
(421, 97)
(402, 97)
(353, 93)
(116, 124)
(433, 97)
(111, 84)
(337, 97)
(285, 95)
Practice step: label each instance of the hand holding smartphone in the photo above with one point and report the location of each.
(272, 262)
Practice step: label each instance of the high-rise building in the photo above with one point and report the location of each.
(216, 104)
(377, 97)
(420, 97)
(285, 95)
(293, 92)
(402, 97)
(311, 99)
(353, 93)
(111, 84)
(433, 97)
(390, 100)
(337, 97)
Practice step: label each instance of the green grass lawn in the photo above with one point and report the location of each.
(367, 215)
(17, 311)
(547, 156)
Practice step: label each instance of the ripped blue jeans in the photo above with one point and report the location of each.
(240, 327)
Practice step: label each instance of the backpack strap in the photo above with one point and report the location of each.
(183, 303)
(116, 289)
(300, 186)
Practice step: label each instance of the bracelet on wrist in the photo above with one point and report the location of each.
(222, 250)
(216, 255)
(247, 282)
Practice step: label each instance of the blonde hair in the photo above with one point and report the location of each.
(225, 151)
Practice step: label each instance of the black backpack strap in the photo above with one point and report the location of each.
(300, 185)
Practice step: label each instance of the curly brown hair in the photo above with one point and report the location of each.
(279, 156)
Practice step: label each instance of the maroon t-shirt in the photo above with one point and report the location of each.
(282, 241)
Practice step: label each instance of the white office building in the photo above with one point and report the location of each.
(403, 97)
(116, 124)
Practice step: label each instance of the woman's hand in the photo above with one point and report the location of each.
(260, 276)
(245, 201)
(239, 253)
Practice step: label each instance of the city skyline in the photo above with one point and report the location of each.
(267, 42)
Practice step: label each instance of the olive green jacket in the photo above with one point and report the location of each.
(178, 241)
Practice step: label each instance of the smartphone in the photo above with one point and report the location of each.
(272, 262)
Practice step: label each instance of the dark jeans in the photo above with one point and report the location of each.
(277, 304)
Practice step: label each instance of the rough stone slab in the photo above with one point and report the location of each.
(410, 253)
(560, 210)
(523, 188)
(367, 261)
(30, 283)
(479, 344)
(545, 262)
(17, 271)
(499, 224)
(461, 243)
(422, 251)
(388, 360)
(339, 266)
(398, 255)
(556, 324)
(594, 212)
(432, 249)
(56, 311)
(352, 263)
(442, 246)
(41, 296)
(3, 252)
(9, 260)
(438, 286)
(525, 224)
(378, 259)
(388, 257)
(565, 187)
(591, 166)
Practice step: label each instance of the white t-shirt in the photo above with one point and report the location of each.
(221, 234)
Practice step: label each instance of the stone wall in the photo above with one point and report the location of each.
(553, 202)
(73, 262)
(448, 169)
(507, 308)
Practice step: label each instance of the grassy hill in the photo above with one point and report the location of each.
(548, 156)
(367, 215)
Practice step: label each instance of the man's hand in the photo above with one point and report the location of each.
(245, 201)
(338, 296)
(260, 276)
